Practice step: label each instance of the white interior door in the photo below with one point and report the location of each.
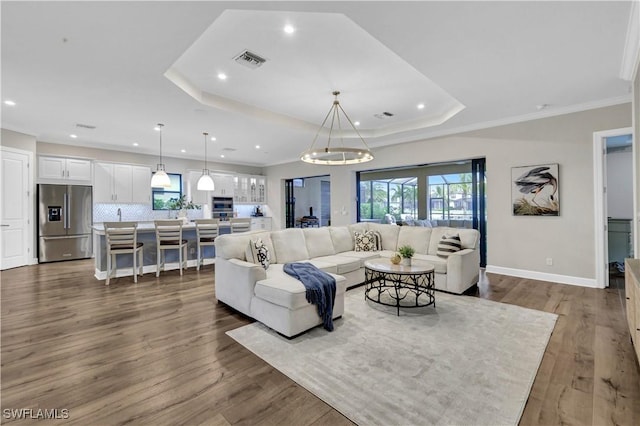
(14, 210)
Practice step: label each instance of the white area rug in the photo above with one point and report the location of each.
(467, 362)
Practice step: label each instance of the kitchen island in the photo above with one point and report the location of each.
(147, 236)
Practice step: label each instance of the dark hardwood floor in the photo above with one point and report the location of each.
(156, 353)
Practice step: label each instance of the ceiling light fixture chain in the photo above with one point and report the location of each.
(160, 179)
(205, 182)
(341, 155)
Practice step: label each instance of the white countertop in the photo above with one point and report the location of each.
(150, 226)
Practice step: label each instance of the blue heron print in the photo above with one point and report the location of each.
(535, 190)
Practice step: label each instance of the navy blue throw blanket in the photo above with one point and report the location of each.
(321, 289)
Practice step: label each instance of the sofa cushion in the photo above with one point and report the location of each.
(281, 289)
(258, 253)
(365, 241)
(344, 264)
(341, 238)
(318, 241)
(234, 246)
(416, 237)
(362, 256)
(389, 234)
(439, 264)
(448, 245)
(358, 227)
(469, 238)
(289, 245)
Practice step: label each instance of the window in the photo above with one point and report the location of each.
(162, 196)
(450, 196)
(398, 197)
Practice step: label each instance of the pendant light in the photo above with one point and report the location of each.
(337, 155)
(160, 179)
(205, 183)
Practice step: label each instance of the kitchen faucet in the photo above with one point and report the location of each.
(119, 213)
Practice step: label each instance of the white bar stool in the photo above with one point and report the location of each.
(122, 238)
(169, 237)
(206, 231)
(240, 224)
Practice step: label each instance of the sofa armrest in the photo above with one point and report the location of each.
(463, 270)
(235, 281)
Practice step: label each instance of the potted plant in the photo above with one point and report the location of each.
(182, 205)
(407, 253)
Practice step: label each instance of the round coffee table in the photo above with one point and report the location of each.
(399, 282)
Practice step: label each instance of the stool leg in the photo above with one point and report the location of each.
(108, 268)
(180, 251)
(135, 266)
(198, 267)
(141, 262)
(158, 262)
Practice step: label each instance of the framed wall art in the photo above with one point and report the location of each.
(535, 190)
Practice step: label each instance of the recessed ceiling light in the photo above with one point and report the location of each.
(356, 123)
(73, 136)
(221, 155)
(183, 150)
(289, 29)
(9, 102)
(420, 106)
(136, 144)
(222, 76)
(213, 138)
(257, 146)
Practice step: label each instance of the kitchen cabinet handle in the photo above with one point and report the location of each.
(5, 225)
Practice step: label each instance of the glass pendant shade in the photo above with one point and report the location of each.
(160, 179)
(205, 183)
(337, 155)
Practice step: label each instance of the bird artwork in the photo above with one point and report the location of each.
(535, 190)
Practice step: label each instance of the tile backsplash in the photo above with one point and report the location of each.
(144, 212)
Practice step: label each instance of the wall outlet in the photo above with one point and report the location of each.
(549, 261)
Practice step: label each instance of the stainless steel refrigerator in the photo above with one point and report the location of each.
(65, 217)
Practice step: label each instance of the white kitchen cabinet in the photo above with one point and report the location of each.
(250, 189)
(121, 183)
(223, 185)
(56, 169)
(241, 189)
(261, 224)
(141, 184)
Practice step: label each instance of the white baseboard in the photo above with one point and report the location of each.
(543, 276)
(149, 269)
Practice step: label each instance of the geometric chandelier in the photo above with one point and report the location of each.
(335, 155)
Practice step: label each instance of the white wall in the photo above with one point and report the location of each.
(518, 243)
(620, 184)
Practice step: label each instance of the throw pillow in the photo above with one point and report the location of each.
(449, 244)
(364, 241)
(258, 253)
(378, 240)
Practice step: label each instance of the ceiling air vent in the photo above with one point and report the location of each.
(85, 126)
(229, 149)
(383, 115)
(249, 59)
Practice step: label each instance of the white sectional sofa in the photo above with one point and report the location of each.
(278, 300)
